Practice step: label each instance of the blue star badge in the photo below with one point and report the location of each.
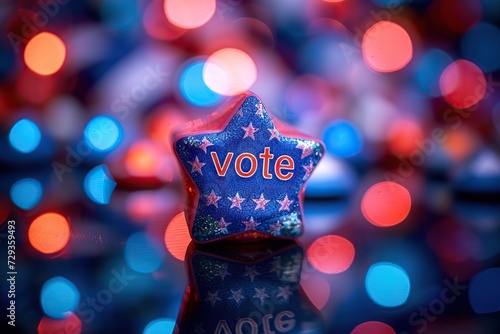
(244, 173)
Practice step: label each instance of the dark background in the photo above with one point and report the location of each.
(393, 126)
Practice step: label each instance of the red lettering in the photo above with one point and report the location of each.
(266, 156)
(221, 171)
(280, 164)
(253, 165)
(283, 163)
(267, 327)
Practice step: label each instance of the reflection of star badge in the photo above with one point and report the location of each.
(252, 169)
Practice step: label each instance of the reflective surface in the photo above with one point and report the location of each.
(435, 272)
(401, 218)
(250, 289)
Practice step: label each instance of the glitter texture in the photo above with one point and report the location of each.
(245, 173)
(262, 286)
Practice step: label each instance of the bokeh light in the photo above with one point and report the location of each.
(156, 23)
(373, 327)
(26, 193)
(143, 159)
(459, 144)
(59, 297)
(177, 237)
(481, 44)
(462, 84)
(49, 233)
(229, 72)
(144, 253)
(342, 138)
(484, 291)
(331, 254)
(160, 326)
(405, 137)
(332, 177)
(64, 118)
(72, 324)
(387, 284)
(189, 14)
(103, 133)
(429, 70)
(25, 136)
(386, 47)
(99, 184)
(317, 289)
(45, 53)
(386, 204)
(194, 89)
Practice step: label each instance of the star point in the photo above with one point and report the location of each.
(249, 131)
(285, 203)
(306, 147)
(204, 144)
(236, 201)
(275, 134)
(223, 272)
(276, 266)
(212, 199)
(261, 294)
(196, 165)
(276, 228)
(222, 226)
(251, 272)
(284, 292)
(251, 224)
(309, 168)
(261, 202)
(237, 296)
(213, 297)
(260, 110)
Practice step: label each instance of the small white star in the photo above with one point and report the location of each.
(249, 131)
(276, 228)
(236, 201)
(284, 292)
(261, 202)
(236, 296)
(276, 266)
(251, 224)
(196, 164)
(306, 148)
(204, 144)
(213, 297)
(251, 272)
(260, 110)
(285, 203)
(261, 294)
(199, 329)
(212, 199)
(240, 112)
(223, 271)
(222, 226)
(309, 168)
(274, 134)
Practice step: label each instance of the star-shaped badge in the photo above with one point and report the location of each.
(244, 167)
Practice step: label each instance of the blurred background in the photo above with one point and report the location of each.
(402, 216)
